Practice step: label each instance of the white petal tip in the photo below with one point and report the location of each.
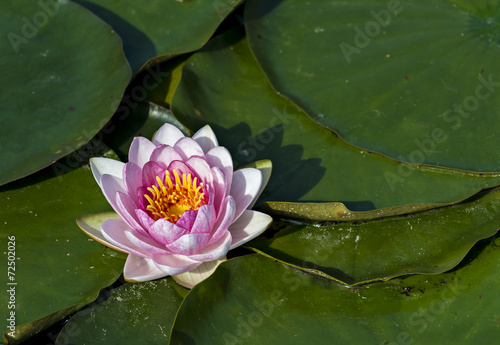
(200, 273)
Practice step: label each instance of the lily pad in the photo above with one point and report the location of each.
(223, 86)
(416, 81)
(254, 300)
(63, 76)
(431, 241)
(161, 27)
(58, 268)
(143, 312)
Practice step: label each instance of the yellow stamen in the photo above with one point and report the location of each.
(170, 200)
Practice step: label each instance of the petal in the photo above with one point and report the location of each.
(224, 220)
(187, 219)
(250, 225)
(140, 151)
(114, 231)
(167, 135)
(174, 264)
(221, 158)
(138, 269)
(219, 188)
(164, 155)
(191, 278)
(201, 168)
(181, 168)
(91, 226)
(187, 147)
(150, 171)
(206, 138)
(265, 166)
(166, 232)
(189, 244)
(132, 176)
(245, 187)
(110, 186)
(101, 166)
(205, 220)
(215, 250)
(127, 211)
(146, 221)
(146, 243)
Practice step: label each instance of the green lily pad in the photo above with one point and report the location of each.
(63, 76)
(254, 300)
(223, 86)
(161, 27)
(58, 268)
(416, 81)
(432, 241)
(142, 312)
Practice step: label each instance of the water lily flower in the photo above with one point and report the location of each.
(180, 203)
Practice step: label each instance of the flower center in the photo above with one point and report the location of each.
(171, 200)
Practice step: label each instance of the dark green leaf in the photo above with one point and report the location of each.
(63, 75)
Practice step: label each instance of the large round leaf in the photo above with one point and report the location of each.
(224, 86)
(254, 300)
(415, 80)
(63, 74)
(161, 27)
(58, 268)
(141, 313)
(431, 241)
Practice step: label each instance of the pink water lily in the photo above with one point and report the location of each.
(180, 203)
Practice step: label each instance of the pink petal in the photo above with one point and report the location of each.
(146, 221)
(250, 225)
(202, 169)
(132, 176)
(181, 168)
(114, 231)
(221, 158)
(146, 243)
(220, 188)
(167, 135)
(166, 232)
(189, 244)
(187, 219)
(140, 151)
(206, 138)
(139, 269)
(187, 147)
(164, 155)
(174, 264)
(150, 171)
(215, 250)
(205, 220)
(110, 186)
(127, 211)
(245, 187)
(224, 220)
(101, 166)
